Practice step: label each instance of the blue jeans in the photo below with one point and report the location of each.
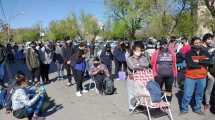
(2, 98)
(60, 69)
(189, 86)
(35, 108)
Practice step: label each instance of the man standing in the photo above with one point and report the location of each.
(197, 60)
(46, 57)
(33, 62)
(207, 45)
(58, 58)
(107, 57)
(67, 54)
(119, 58)
(2, 67)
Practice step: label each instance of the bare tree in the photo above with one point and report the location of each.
(211, 6)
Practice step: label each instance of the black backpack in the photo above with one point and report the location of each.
(108, 86)
(9, 91)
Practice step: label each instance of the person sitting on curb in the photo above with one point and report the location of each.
(22, 105)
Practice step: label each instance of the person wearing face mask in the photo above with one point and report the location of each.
(59, 60)
(197, 60)
(2, 64)
(119, 58)
(172, 43)
(164, 68)
(182, 48)
(68, 51)
(33, 62)
(135, 62)
(46, 57)
(107, 57)
(78, 66)
(99, 72)
(207, 46)
(183, 45)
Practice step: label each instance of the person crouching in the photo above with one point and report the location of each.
(99, 72)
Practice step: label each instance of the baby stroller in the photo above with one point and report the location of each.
(144, 97)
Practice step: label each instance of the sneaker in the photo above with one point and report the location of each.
(60, 78)
(84, 91)
(101, 92)
(183, 113)
(35, 117)
(200, 113)
(206, 107)
(68, 84)
(8, 111)
(78, 94)
(97, 91)
(130, 110)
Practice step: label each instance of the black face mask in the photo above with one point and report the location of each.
(48, 50)
(196, 47)
(108, 50)
(96, 64)
(164, 49)
(33, 47)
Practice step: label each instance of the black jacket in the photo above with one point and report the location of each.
(193, 65)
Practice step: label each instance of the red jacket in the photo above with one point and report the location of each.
(154, 62)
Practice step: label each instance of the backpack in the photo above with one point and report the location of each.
(212, 65)
(164, 65)
(108, 86)
(122, 75)
(9, 91)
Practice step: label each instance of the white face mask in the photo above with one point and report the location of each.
(38, 47)
(43, 49)
(138, 54)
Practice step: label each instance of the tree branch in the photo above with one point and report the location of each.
(211, 6)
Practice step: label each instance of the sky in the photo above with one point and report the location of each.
(26, 13)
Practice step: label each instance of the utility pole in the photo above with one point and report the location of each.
(8, 25)
(8, 32)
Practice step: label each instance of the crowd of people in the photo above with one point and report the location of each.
(188, 64)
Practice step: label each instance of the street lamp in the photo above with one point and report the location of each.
(8, 24)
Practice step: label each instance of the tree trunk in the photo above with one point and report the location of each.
(211, 6)
(177, 18)
(132, 34)
(194, 8)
